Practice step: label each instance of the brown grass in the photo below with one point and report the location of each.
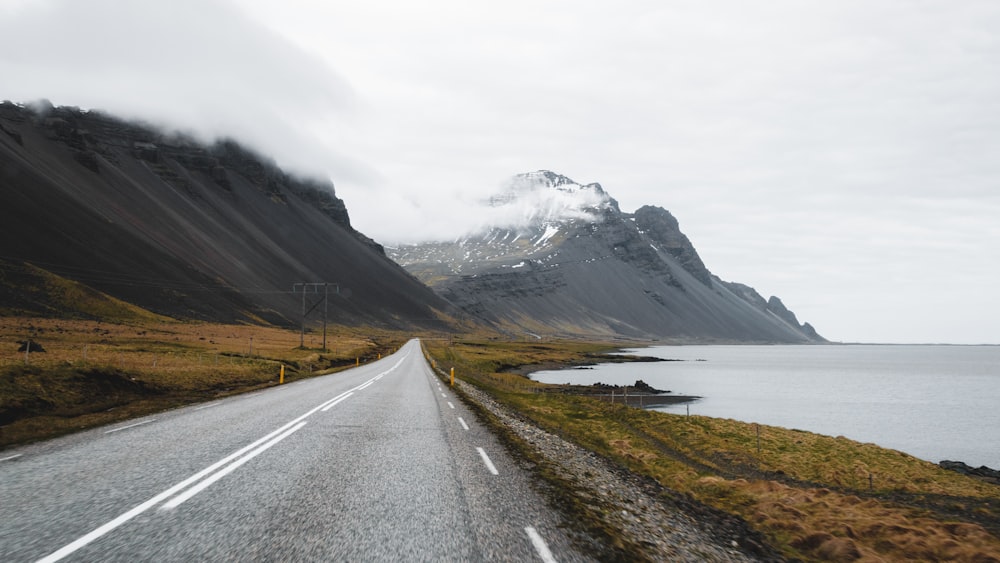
(98, 372)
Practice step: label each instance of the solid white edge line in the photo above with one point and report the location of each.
(462, 422)
(208, 406)
(176, 501)
(540, 546)
(130, 426)
(487, 461)
(336, 401)
(10, 457)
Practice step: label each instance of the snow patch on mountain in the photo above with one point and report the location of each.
(525, 220)
(550, 231)
(544, 198)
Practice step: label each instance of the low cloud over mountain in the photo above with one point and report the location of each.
(181, 228)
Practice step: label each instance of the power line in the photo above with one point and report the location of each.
(315, 287)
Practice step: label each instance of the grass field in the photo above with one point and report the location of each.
(96, 372)
(815, 497)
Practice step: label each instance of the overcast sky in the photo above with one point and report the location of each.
(843, 155)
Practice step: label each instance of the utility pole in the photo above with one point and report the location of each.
(315, 287)
(326, 308)
(302, 323)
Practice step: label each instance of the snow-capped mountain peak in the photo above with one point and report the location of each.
(569, 262)
(536, 199)
(523, 224)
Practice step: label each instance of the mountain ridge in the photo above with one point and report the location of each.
(185, 229)
(216, 232)
(595, 272)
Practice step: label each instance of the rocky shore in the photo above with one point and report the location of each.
(982, 472)
(640, 394)
(664, 525)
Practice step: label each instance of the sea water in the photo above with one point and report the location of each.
(933, 402)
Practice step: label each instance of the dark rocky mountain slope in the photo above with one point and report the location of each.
(579, 266)
(182, 229)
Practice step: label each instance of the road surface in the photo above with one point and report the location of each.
(378, 463)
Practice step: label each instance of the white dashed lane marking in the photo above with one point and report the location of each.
(487, 461)
(540, 546)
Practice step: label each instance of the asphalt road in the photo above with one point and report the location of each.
(378, 463)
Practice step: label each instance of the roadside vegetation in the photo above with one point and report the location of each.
(92, 373)
(816, 498)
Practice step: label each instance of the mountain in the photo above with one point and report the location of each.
(563, 259)
(181, 229)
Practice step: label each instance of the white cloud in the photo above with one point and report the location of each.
(200, 66)
(840, 155)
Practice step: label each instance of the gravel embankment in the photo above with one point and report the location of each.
(666, 526)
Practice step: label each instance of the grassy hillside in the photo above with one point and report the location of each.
(815, 497)
(27, 287)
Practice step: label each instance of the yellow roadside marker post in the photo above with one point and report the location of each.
(281, 376)
(452, 377)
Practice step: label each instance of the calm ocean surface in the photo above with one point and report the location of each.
(933, 402)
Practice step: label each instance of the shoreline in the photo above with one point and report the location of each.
(645, 401)
(638, 395)
(794, 373)
(633, 398)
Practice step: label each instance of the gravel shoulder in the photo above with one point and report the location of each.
(658, 523)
